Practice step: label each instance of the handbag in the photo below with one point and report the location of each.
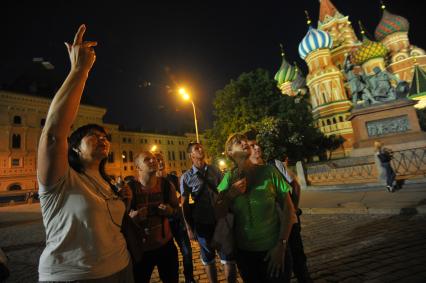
(223, 236)
(135, 238)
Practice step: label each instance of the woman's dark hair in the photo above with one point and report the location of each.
(74, 142)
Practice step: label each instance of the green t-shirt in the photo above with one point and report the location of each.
(257, 223)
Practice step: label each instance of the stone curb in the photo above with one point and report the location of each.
(370, 211)
(366, 186)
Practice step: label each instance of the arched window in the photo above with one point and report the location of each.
(131, 156)
(124, 156)
(14, 187)
(17, 120)
(42, 122)
(334, 120)
(340, 119)
(16, 141)
(328, 122)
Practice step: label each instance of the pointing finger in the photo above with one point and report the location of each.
(78, 39)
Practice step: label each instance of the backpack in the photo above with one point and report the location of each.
(165, 189)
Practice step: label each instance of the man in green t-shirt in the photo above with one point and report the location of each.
(264, 214)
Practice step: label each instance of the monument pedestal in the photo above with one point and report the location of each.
(394, 123)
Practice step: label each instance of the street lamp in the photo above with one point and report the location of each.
(186, 96)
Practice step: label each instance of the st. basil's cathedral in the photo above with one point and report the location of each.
(325, 50)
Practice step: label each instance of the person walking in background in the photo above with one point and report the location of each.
(81, 212)
(154, 201)
(177, 224)
(200, 183)
(258, 197)
(385, 156)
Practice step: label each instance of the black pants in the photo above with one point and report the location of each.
(166, 260)
(390, 174)
(300, 268)
(253, 268)
(182, 239)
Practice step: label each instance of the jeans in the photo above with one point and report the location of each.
(390, 174)
(204, 234)
(182, 239)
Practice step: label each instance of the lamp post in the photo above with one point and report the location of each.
(186, 96)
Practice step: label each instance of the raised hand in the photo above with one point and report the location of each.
(82, 55)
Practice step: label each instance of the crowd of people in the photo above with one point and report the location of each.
(84, 210)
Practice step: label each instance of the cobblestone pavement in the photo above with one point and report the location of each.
(340, 248)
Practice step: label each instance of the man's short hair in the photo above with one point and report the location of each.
(251, 134)
(191, 145)
(232, 139)
(139, 156)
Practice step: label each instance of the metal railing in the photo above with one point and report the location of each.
(409, 163)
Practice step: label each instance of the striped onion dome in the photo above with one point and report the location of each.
(286, 73)
(389, 24)
(313, 40)
(368, 50)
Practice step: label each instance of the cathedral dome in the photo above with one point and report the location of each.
(286, 73)
(389, 24)
(313, 40)
(368, 50)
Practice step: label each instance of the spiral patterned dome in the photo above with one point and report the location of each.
(313, 40)
(286, 73)
(368, 50)
(389, 24)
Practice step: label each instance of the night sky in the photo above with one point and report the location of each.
(199, 44)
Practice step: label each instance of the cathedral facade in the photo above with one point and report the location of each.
(325, 49)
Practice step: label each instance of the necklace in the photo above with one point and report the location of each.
(104, 196)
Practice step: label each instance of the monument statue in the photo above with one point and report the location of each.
(380, 87)
(359, 89)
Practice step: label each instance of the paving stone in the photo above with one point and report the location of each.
(340, 248)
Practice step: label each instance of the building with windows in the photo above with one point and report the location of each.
(22, 118)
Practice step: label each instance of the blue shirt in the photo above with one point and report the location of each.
(193, 183)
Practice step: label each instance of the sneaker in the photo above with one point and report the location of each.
(389, 188)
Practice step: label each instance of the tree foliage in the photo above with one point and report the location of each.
(284, 124)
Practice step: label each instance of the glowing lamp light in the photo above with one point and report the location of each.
(153, 148)
(222, 163)
(184, 94)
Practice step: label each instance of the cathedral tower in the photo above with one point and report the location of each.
(340, 29)
(330, 104)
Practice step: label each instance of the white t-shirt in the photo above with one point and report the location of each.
(82, 242)
(280, 166)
